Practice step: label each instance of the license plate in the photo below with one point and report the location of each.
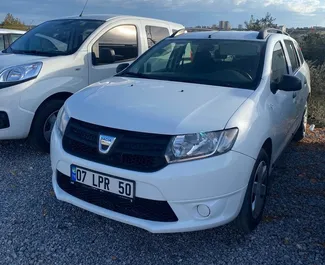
(103, 182)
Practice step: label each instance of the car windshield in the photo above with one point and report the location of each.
(56, 37)
(230, 63)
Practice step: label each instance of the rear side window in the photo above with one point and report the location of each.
(2, 42)
(301, 56)
(155, 34)
(279, 64)
(116, 45)
(292, 55)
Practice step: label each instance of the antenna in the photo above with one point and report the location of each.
(83, 8)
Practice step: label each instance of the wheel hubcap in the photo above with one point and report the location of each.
(259, 189)
(48, 126)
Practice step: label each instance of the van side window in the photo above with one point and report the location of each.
(156, 34)
(2, 42)
(116, 45)
(14, 37)
(292, 55)
(279, 64)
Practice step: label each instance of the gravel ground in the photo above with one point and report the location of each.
(35, 228)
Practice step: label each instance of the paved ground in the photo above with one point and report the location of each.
(35, 228)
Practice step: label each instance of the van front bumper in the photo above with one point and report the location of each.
(19, 119)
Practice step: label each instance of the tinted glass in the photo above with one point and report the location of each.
(155, 34)
(116, 45)
(2, 42)
(231, 63)
(57, 37)
(292, 55)
(279, 64)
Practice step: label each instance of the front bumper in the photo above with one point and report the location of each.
(218, 183)
(20, 120)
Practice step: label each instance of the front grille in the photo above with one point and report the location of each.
(131, 150)
(158, 211)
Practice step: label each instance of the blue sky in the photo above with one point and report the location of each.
(188, 12)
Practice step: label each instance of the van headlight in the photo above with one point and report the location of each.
(20, 73)
(62, 120)
(200, 145)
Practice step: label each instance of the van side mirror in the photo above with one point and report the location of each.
(121, 67)
(289, 83)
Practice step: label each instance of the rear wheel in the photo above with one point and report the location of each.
(255, 198)
(43, 124)
(301, 132)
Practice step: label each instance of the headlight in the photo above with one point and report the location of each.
(62, 120)
(200, 145)
(20, 73)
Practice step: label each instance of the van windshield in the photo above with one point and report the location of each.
(54, 38)
(229, 63)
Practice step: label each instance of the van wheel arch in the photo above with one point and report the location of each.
(49, 106)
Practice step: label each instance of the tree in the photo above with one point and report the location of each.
(258, 24)
(10, 22)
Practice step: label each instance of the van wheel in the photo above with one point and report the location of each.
(45, 117)
(301, 132)
(255, 198)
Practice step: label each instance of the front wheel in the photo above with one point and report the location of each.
(43, 124)
(255, 198)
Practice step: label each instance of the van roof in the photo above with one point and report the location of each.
(106, 17)
(13, 31)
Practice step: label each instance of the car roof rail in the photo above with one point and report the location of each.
(266, 32)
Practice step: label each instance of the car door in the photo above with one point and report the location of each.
(280, 102)
(119, 44)
(298, 96)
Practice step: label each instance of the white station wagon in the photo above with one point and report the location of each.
(186, 137)
(49, 63)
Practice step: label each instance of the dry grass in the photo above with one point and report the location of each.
(317, 100)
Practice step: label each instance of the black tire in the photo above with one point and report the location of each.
(37, 135)
(246, 221)
(301, 132)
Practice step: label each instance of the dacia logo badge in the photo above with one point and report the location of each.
(105, 143)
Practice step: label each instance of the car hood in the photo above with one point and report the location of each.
(9, 59)
(156, 106)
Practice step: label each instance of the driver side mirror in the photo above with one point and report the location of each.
(289, 83)
(121, 67)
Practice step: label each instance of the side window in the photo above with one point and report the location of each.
(156, 34)
(2, 42)
(116, 45)
(292, 55)
(14, 37)
(301, 56)
(279, 64)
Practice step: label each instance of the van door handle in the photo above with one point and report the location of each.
(294, 95)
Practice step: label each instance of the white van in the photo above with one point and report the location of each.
(49, 63)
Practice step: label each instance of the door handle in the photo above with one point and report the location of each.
(294, 95)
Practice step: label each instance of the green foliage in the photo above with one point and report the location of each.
(258, 24)
(10, 22)
(313, 47)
